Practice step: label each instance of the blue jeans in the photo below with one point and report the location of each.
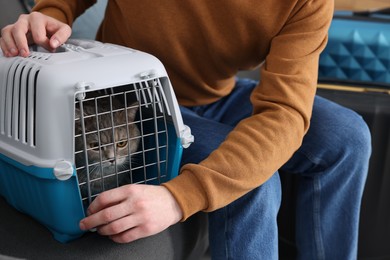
(333, 163)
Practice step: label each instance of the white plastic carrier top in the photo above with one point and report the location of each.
(38, 93)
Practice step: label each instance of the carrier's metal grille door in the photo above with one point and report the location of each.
(121, 137)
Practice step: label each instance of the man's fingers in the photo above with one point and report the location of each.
(120, 225)
(7, 43)
(105, 216)
(109, 198)
(5, 47)
(39, 32)
(48, 32)
(19, 35)
(33, 28)
(58, 32)
(132, 211)
(60, 36)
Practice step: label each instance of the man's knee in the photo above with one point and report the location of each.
(341, 128)
(354, 135)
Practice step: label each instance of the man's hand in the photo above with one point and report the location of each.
(133, 211)
(33, 28)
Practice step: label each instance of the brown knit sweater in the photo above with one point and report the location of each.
(203, 43)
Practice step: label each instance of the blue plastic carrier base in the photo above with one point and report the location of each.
(57, 204)
(36, 192)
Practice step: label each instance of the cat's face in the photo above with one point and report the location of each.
(109, 147)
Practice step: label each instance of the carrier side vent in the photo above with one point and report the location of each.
(39, 56)
(38, 53)
(18, 103)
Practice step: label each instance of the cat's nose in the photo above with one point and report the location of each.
(109, 154)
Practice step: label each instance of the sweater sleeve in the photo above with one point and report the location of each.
(64, 10)
(262, 143)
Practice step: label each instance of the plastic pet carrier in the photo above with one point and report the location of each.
(87, 118)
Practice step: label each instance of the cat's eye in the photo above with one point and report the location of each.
(121, 144)
(94, 145)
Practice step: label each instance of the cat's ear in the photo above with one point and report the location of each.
(132, 111)
(87, 111)
(77, 112)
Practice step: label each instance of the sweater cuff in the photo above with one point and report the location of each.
(188, 193)
(53, 12)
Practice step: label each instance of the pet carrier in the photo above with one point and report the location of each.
(87, 118)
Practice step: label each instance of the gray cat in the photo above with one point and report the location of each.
(110, 158)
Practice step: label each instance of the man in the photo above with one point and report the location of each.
(245, 131)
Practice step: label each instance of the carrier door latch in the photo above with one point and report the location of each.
(186, 138)
(81, 87)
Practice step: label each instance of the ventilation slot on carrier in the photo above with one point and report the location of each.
(18, 103)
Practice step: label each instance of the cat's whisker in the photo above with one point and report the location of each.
(95, 169)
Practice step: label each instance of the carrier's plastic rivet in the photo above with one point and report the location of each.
(147, 74)
(81, 87)
(63, 170)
